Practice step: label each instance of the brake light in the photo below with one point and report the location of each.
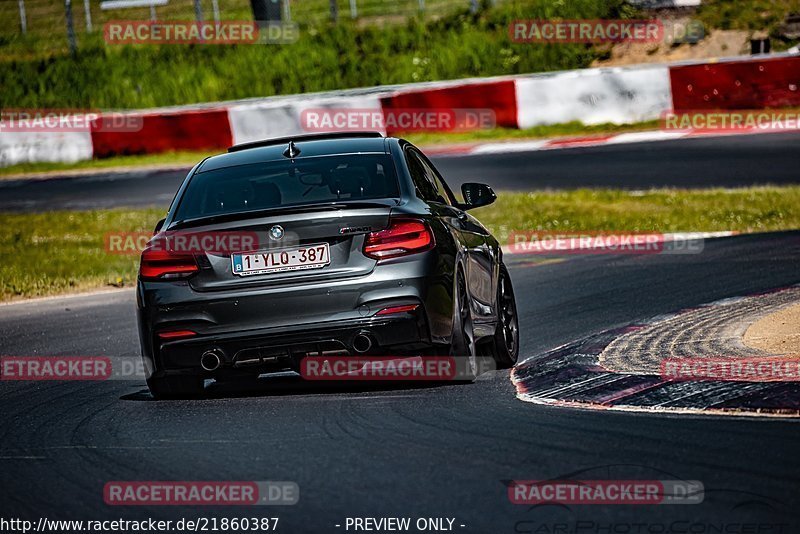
(158, 264)
(176, 334)
(402, 237)
(408, 308)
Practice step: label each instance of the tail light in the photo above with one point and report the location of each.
(402, 237)
(158, 264)
(176, 334)
(408, 308)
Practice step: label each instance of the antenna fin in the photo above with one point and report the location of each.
(291, 151)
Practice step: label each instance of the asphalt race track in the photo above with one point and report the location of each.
(733, 161)
(432, 451)
(435, 451)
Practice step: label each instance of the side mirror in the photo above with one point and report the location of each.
(159, 226)
(477, 195)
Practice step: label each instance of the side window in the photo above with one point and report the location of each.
(446, 197)
(426, 189)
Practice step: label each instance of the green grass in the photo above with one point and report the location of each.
(421, 139)
(757, 209)
(59, 252)
(36, 71)
(326, 57)
(47, 20)
(766, 15)
(62, 252)
(751, 15)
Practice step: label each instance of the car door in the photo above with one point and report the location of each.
(473, 236)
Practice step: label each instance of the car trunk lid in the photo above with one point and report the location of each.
(287, 233)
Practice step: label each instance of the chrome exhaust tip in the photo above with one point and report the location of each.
(362, 343)
(210, 360)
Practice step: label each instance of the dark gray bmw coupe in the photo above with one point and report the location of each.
(326, 244)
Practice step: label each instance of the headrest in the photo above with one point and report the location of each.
(266, 195)
(349, 181)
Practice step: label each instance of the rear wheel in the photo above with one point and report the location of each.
(176, 387)
(462, 342)
(506, 337)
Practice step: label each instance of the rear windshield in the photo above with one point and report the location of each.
(284, 183)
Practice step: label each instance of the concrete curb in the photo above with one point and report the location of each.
(572, 375)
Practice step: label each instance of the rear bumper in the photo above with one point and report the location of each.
(272, 326)
(275, 349)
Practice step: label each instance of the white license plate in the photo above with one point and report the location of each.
(281, 260)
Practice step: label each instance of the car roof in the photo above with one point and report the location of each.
(309, 146)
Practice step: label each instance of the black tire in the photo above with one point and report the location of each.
(176, 387)
(462, 340)
(506, 336)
